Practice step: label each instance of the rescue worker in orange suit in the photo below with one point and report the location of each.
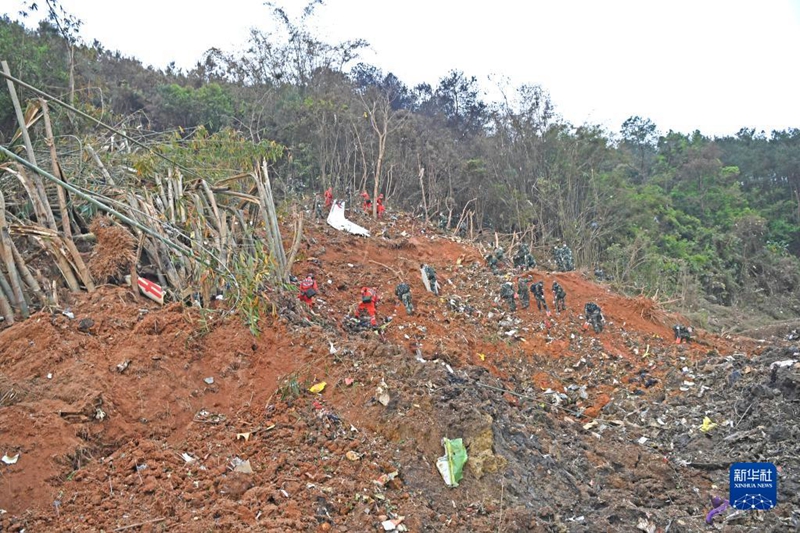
(381, 208)
(308, 289)
(369, 299)
(366, 203)
(329, 197)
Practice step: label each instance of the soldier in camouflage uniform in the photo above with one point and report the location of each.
(403, 291)
(442, 221)
(569, 261)
(524, 295)
(318, 207)
(519, 257)
(491, 261)
(430, 273)
(594, 317)
(558, 258)
(563, 258)
(538, 292)
(524, 258)
(559, 297)
(683, 334)
(507, 294)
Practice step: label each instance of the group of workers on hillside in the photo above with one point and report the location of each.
(522, 260)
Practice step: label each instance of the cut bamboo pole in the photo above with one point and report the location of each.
(298, 237)
(77, 260)
(39, 184)
(100, 165)
(62, 197)
(30, 281)
(8, 259)
(30, 189)
(5, 307)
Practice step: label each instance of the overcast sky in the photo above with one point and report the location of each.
(712, 65)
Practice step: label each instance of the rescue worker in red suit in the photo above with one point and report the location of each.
(381, 208)
(308, 289)
(329, 197)
(369, 299)
(366, 203)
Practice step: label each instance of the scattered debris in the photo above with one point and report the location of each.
(9, 460)
(337, 220)
(318, 387)
(382, 394)
(352, 456)
(707, 425)
(451, 464)
(239, 465)
(386, 478)
(394, 525)
(188, 458)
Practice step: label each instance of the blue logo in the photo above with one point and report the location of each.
(754, 486)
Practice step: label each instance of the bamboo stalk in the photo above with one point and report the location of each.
(30, 189)
(99, 163)
(62, 197)
(30, 281)
(77, 260)
(271, 219)
(298, 236)
(20, 118)
(38, 183)
(5, 307)
(171, 200)
(64, 267)
(8, 259)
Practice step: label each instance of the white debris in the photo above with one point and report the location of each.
(337, 220)
(10, 460)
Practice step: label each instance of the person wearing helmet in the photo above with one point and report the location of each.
(507, 293)
(369, 301)
(537, 289)
(524, 294)
(683, 334)
(381, 208)
(559, 297)
(403, 291)
(366, 203)
(594, 317)
(308, 289)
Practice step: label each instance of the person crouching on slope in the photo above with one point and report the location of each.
(308, 289)
(369, 301)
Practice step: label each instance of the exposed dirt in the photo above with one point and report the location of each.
(102, 408)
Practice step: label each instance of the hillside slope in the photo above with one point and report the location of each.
(117, 423)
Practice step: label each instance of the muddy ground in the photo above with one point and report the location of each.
(174, 419)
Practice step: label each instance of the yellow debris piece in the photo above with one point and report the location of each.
(319, 387)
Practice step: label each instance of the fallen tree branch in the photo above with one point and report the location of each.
(396, 272)
(139, 524)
